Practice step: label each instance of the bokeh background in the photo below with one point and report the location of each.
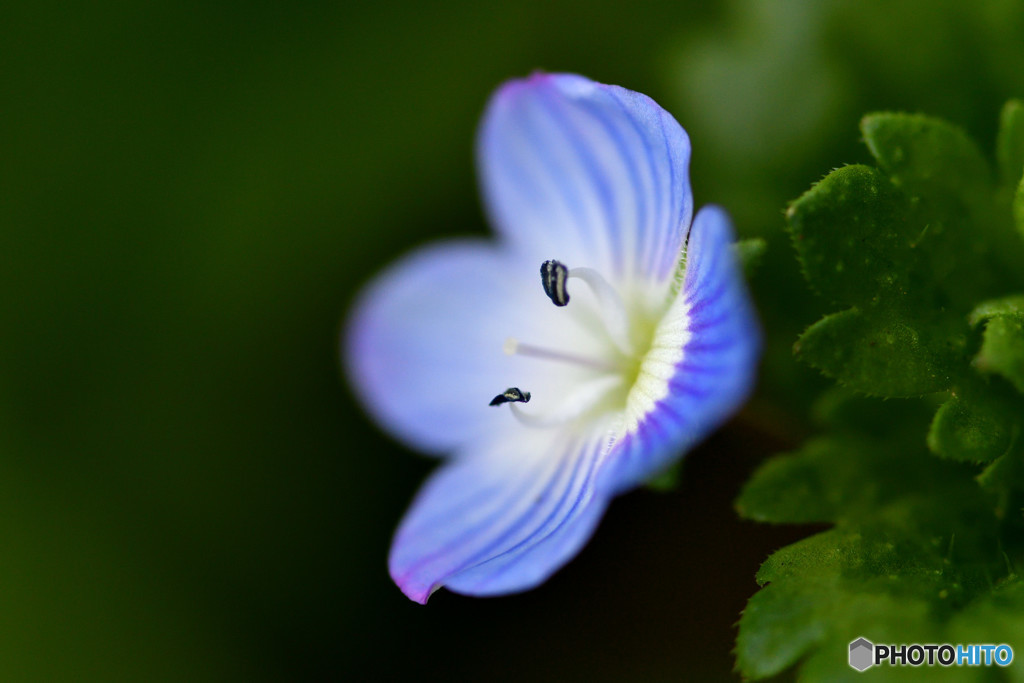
(191, 194)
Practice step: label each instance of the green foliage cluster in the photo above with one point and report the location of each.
(918, 466)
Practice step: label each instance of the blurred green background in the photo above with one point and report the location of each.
(191, 194)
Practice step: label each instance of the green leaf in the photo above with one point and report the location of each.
(952, 200)
(750, 251)
(780, 624)
(851, 235)
(923, 549)
(1010, 143)
(973, 431)
(1009, 305)
(915, 544)
(799, 488)
(831, 588)
(850, 479)
(1018, 208)
(668, 480)
(996, 618)
(880, 355)
(1002, 348)
(926, 154)
(1004, 478)
(830, 480)
(840, 410)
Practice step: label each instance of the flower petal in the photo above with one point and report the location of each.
(424, 346)
(703, 363)
(500, 518)
(591, 174)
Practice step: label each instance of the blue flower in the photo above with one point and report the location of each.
(549, 393)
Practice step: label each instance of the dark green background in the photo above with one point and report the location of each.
(190, 195)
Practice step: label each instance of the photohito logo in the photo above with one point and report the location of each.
(861, 654)
(864, 654)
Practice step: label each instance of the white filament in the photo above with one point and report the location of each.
(514, 347)
(572, 407)
(613, 310)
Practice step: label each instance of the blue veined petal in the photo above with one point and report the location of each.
(590, 174)
(425, 343)
(502, 517)
(718, 364)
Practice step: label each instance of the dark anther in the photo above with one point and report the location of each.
(553, 275)
(511, 395)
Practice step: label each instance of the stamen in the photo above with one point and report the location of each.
(552, 276)
(574, 406)
(511, 395)
(613, 310)
(514, 347)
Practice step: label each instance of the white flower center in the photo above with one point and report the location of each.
(628, 374)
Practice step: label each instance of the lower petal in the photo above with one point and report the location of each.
(501, 518)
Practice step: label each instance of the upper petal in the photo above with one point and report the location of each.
(703, 363)
(424, 344)
(501, 517)
(591, 174)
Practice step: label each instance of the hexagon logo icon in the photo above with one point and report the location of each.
(862, 654)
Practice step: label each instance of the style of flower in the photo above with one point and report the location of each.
(549, 398)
